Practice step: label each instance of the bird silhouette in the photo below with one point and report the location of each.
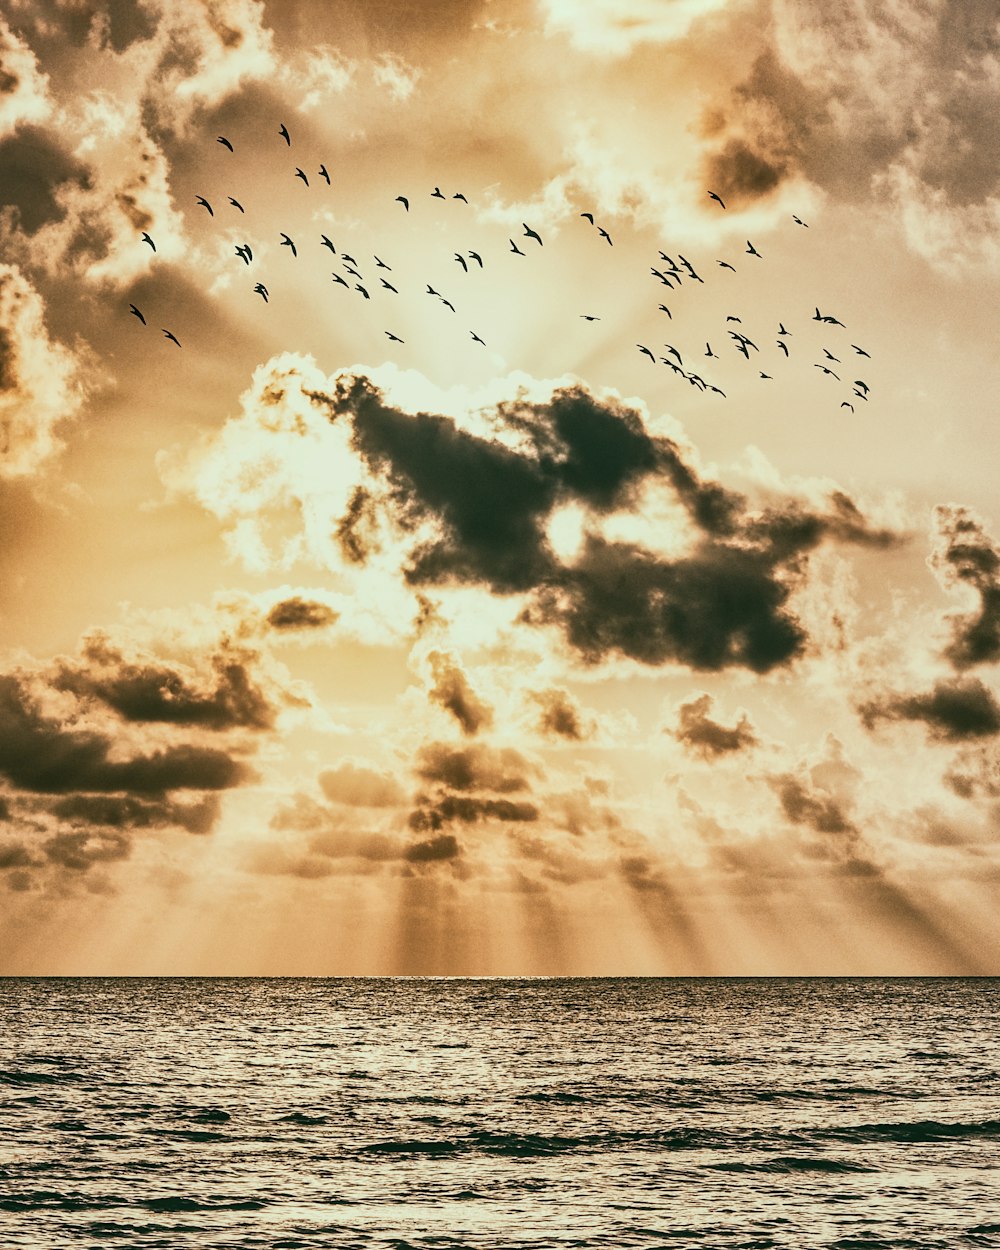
(736, 319)
(824, 369)
(344, 256)
(766, 376)
(136, 313)
(752, 251)
(717, 198)
(205, 204)
(825, 317)
(864, 385)
(646, 352)
(783, 346)
(860, 350)
(353, 272)
(799, 222)
(359, 287)
(287, 242)
(327, 243)
(301, 174)
(672, 351)
(689, 267)
(724, 264)
(532, 234)
(861, 395)
(589, 217)
(514, 248)
(459, 196)
(225, 142)
(388, 286)
(147, 239)
(431, 291)
(324, 174)
(437, 194)
(237, 204)
(171, 337)
(380, 264)
(477, 258)
(447, 303)
(476, 338)
(283, 131)
(845, 404)
(781, 328)
(717, 391)
(393, 338)
(401, 199)
(462, 261)
(589, 317)
(261, 290)
(244, 253)
(831, 356)
(664, 308)
(603, 233)
(709, 352)
(337, 278)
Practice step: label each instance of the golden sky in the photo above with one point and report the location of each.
(469, 586)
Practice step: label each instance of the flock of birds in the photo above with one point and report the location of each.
(671, 273)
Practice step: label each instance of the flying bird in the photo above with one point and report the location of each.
(603, 233)
(646, 352)
(860, 350)
(205, 204)
(717, 198)
(709, 352)
(664, 308)
(717, 391)
(674, 352)
(244, 253)
(476, 338)
(353, 272)
(327, 243)
(283, 131)
(864, 385)
(447, 303)
(300, 174)
(766, 376)
(324, 174)
(514, 248)
(337, 278)
(437, 194)
(818, 316)
(736, 319)
(401, 199)
(147, 239)
(380, 264)
(845, 404)
(799, 222)
(781, 328)
(861, 395)
(171, 337)
(359, 287)
(459, 196)
(261, 290)
(287, 242)
(237, 204)
(589, 217)
(824, 369)
(589, 317)
(388, 286)
(724, 264)
(345, 256)
(136, 313)
(431, 291)
(462, 261)
(532, 234)
(476, 257)
(393, 338)
(752, 251)
(225, 142)
(783, 346)
(830, 356)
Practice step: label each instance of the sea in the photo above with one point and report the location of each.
(531, 1113)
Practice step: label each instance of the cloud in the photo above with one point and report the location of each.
(443, 847)
(473, 768)
(468, 809)
(954, 711)
(965, 555)
(126, 811)
(41, 381)
(613, 28)
(451, 690)
(705, 737)
(560, 715)
(24, 89)
(298, 613)
(79, 851)
(357, 785)
(816, 809)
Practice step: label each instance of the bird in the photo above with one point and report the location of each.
(781, 328)
(864, 385)
(589, 217)
(752, 251)
(717, 391)
(327, 243)
(287, 242)
(724, 264)
(829, 371)
(671, 264)
(147, 239)
(860, 350)
(830, 356)
(462, 261)
(173, 338)
(532, 234)
(783, 346)
(589, 317)
(676, 368)
(353, 272)
(359, 287)
(514, 248)
(393, 338)
(261, 290)
(664, 308)
(845, 404)
(736, 319)
(647, 352)
(337, 278)
(237, 204)
(437, 194)
(603, 233)
(431, 291)
(225, 142)
(324, 174)
(300, 174)
(674, 352)
(476, 338)
(861, 395)
(799, 222)
(717, 198)
(476, 257)
(380, 264)
(136, 313)
(283, 131)
(388, 286)
(818, 316)
(344, 256)
(459, 196)
(401, 199)
(662, 276)
(742, 347)
(766, 376)
(447, 303)
(205, 204)
(689, 267)
(709, 352)
(244, 253)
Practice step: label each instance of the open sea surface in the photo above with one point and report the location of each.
(297, 1114)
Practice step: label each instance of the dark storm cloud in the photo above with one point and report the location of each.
(32, 168)
(814, 808)
(560, 716)
(953, 711)
(16, 855)
(354, 785)
(467, 809)
(724, 604)
(299, 613)
(79, 851)
(739, 174)
(154, 692)
(451, 690)
(5, 812)
(474, 768)
(966, 555)
(40, 753)
(128, 812)
(356, 533)
(49, 23)
(444, 846)
(705, 737)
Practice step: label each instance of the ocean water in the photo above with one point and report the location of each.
(293, 1114)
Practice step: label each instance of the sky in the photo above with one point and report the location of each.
(560, 536)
